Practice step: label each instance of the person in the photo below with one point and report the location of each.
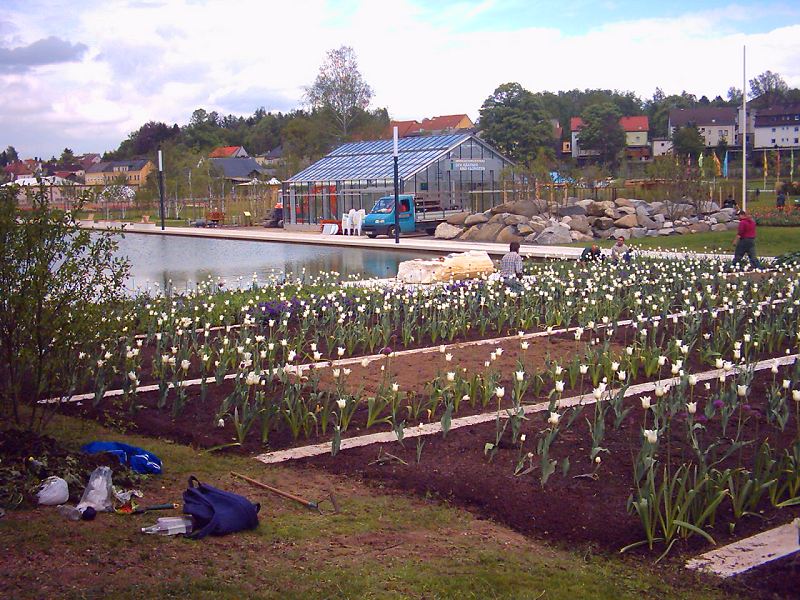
(745, 240)
(780, 199)
(620, 251)
(591, 254)
(729, 202)
(511, 264)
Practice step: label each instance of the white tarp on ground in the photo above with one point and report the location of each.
(466, 265)
(33, 181)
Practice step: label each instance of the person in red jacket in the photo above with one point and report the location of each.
(745, 240)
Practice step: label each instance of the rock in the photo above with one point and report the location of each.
(527, 208)
(624, 202)
(682, 230)
(446, 231)
(666, 231)
(458, 218)
(681, 209)
(659, 220)
(723, 216)
(699, 227)
(577, 236)
(604, 234)
(626, 210)
(719, 227)
(580, 223)
(598, 209)
(554, 235)
(627, 221)
(644, 220)
(733, 225)
(625, 233)
(538, 225)
(638, 232)
(585, 204)
(658, 208)
(499, 218)
(509, 234)
(476, 219)
(515, 219)
(709, 207)
(570, 211)
(603, 223)
(525, 229)
(483, 233)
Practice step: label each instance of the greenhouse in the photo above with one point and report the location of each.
(454, 171)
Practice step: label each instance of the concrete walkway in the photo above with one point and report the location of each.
(422, 243)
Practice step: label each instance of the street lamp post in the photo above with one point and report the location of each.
(395, 154)
(161, 187)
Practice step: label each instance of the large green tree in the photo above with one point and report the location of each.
(687, 141)
(602, 132)
(514, 121)
(340, 88)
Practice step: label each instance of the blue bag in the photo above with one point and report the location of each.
(137, 459)
(217, 512)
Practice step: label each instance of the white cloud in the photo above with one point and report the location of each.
(160, 61)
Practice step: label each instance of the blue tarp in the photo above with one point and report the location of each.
(137, 459)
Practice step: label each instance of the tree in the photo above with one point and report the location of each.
(62, 287)
(734, 96)
(11, 154)
(513, 120)
(768, 88)
(687, 141)
(67, 156)
(340, 88)
(602, 131)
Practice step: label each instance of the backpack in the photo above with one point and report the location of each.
(217, 512)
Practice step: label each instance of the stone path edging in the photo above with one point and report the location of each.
(431, 428)
(746, 554)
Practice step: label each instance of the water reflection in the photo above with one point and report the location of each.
(184, 260)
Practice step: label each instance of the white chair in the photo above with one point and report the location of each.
(330, 229)
(358, 220)
(346, 224)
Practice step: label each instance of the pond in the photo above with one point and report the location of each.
(158, 261)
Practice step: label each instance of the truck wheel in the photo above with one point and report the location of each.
(372, 234)
(390, 231)
(431, 231)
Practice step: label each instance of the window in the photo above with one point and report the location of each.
(773, 131)
(796, 140)
(772, 141)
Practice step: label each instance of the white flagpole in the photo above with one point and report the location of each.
(744, 130)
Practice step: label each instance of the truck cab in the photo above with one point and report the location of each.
(381, 219)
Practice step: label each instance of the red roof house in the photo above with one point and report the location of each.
(228, 152)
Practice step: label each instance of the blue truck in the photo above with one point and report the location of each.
(416, 214)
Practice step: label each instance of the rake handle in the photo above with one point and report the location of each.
(306, 503)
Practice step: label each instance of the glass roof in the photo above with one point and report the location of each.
(374, 160)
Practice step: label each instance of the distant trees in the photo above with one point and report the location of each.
(514, 121)
(67, 156)
(340, 88)
(602, 132)
(768, 86)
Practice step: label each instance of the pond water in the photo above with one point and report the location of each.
(158, 259)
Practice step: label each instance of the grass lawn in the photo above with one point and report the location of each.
(382, 545)
(770, 241)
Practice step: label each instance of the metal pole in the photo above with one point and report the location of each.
(161, 188)
(395, 153)
(744, 130)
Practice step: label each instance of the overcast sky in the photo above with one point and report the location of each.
(85, 74)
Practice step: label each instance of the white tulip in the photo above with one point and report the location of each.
(645, 402)
(559, 386)
(796, 395)
(651, 435)
(520, 375)
(553, 419)
(451, 376)
(500, 392)
(691, 407)
(741, 391)
(341, 403)
(584, 369)
(692, 380)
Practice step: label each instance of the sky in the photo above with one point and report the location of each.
(85, 74)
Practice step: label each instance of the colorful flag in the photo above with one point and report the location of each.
(717, 166)
(778, 165)
(700, 161)
(766, 168)
(725, 165)
(791, 166)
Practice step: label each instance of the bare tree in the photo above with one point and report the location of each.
(340, 88)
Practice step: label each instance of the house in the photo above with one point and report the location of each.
(272, 158)
(228, 152)
(134, 172)
(636, 130)
(87, 160)
(238, 170)
(662, 146)
(17, 170)
(433, 126)
(715, 123)
(777, 127)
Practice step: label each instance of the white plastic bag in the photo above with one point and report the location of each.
(98, 491)
(53, 491)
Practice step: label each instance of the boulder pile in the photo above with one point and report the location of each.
(533, 221)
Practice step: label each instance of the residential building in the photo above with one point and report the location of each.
(228, 152)
(777, 127)
(273, 158)
(134, 172)
(17, 170)
(662, 146)
(433, 126)
(238, 170)
(715, 123)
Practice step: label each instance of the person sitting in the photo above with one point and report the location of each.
(591, 254)
(729, 202)
(620, 251)
(511, 264)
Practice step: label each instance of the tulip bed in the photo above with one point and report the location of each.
(693, 463)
